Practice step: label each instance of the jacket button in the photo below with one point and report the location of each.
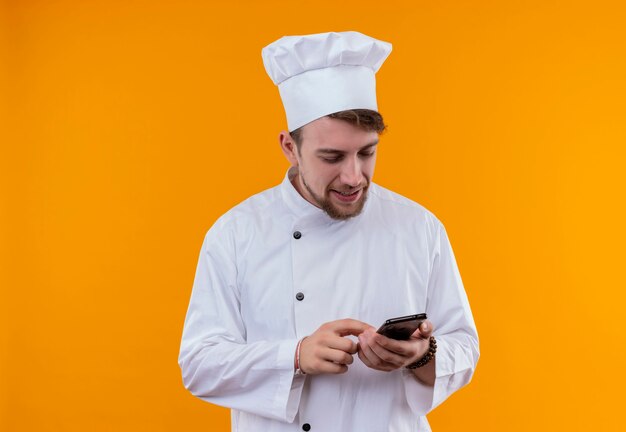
(306, 427)
(299, 296)
(297, 235)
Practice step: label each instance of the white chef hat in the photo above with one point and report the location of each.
(323, 73)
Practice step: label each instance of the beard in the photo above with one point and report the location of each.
(334, 211)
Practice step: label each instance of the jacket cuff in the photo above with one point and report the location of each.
(451, 373)
(289, 389)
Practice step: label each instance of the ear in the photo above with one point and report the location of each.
(288, 146)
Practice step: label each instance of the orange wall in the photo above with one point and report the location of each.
(132, 125)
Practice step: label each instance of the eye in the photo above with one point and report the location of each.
(331, 160)
(367, 154)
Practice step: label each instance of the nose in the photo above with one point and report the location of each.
(351, 172)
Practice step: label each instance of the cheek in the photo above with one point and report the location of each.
(324, 177)
(368, 168)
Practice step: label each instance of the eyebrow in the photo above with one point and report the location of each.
(334, 151)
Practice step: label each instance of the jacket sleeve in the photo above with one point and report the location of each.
(457, 340)
(217, 364)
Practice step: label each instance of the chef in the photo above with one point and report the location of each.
(292, 283)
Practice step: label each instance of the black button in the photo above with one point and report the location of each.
(299, 296)
(297, 235)
(306, 427)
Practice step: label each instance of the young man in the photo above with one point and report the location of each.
(293, 282)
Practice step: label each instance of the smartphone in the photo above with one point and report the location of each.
(402, 328)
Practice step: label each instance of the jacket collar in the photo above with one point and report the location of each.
(305, 212)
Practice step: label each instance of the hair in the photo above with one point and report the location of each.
(365, 119)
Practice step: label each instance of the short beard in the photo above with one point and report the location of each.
(330, 209)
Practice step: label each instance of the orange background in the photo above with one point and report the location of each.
(128, 127)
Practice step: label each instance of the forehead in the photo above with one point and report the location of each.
(328, 133)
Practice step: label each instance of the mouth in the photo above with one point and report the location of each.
(347, 197)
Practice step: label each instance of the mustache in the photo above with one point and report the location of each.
(351, 189)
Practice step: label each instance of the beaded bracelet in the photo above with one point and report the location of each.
(430, 354)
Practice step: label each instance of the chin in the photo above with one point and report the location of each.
(338, 213)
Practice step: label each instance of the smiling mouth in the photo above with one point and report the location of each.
(347, 193)
(347, 197)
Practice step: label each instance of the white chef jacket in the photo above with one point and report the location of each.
(244, 320)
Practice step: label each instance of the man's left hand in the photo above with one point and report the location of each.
(384, 354)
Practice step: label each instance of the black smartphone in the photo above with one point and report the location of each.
(401, 328)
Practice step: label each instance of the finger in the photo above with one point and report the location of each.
(332, 368)
(348, 326)
(319, 365)
(424, 331)
(388, 357)
(366, 354)
(371, 359)
(336, 356)
(364, 359)
(398, 347)
(353, 348)
(338, 368)
(343, 344)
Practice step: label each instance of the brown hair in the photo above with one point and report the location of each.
(368, 120)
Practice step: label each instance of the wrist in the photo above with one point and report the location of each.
(296, 363)
(426, 358)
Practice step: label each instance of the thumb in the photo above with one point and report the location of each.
(425, 330)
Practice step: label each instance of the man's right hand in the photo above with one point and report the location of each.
(327, 351)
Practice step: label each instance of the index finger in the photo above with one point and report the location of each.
(348, 326)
